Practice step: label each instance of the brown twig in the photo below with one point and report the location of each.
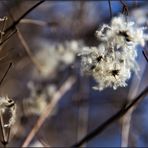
(12, 26)
(5, 74)
(113, 118)
(145, 55)
(47, 112)
(27, 49)
(4, 141)
(127, 119)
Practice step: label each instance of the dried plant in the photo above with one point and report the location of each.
(54, 101)
(113, 60)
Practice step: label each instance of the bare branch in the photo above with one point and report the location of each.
(39, 22)
(125, 7)
(5, 74)
(47, 112)
(27, 49)
(145, 55)
(11, 27)
(110, 8)
(113, 118)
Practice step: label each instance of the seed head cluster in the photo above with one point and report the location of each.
(7, 105)
(113, 60)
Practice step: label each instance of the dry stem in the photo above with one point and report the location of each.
(48, 110)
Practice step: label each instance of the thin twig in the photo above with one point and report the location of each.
(38, 22)
(8, 135)
(43, 143)
(25, 45)
(27, 49)
(127, 119)
(113, 118)
(5, 138)
(125, 7)
(110, 9)
(8, 37)
(48, 110)
(2, 128)
(21, 17)
(145, 55)
(5, 73)
(83, 111)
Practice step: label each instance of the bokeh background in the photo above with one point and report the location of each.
(54, 32)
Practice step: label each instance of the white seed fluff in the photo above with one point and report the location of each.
(8, 105)
(112, 62)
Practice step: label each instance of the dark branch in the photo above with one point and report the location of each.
(110, 9)
(1, 81)
(21, 17)
(115, 117)
(8, 37)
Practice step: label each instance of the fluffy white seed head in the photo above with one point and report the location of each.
(8, 105)
(112, 62)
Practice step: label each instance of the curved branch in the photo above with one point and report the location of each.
(113, 118)
(21, 17)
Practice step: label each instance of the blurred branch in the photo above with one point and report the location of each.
(145, 55)
(2, 29)
(115, 117)
(43, 143)
(8, 37)
(48, 110)
(5, 137)
(110, 9)
(12, 26)
(26, 47)
(4, 142)
(39, 22)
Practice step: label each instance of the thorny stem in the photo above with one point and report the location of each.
(5, 73)
(113, 118)
(21, 17)
(110, 8)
